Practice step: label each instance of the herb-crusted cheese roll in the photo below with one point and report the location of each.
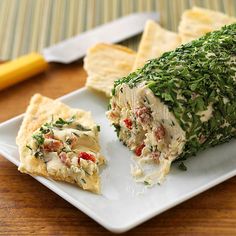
(179, 104)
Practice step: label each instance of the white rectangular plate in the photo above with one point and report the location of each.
(124, 204)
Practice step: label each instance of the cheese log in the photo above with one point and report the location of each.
(179, 104)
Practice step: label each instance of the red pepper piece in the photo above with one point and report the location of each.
(138, 150)
(128, 123)
(86, 156)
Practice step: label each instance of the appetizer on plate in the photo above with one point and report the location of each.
(61, 143)
(179, 104)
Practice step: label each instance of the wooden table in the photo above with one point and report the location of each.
(27, 207)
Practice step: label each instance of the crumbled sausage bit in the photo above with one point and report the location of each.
(65, 159)
(53, 146)
(143, 113)
(155, 156)
(159, 133)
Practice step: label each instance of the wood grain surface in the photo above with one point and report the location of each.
(27, 207)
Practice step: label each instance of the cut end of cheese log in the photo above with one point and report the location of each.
(179, 104)
(148, 128)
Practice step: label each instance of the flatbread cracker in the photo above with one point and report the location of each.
(106, 63)
(154, 42)
(198, 21)
(42, 110)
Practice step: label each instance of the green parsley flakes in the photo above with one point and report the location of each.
(38, 138)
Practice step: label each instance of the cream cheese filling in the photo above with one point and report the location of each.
(145, 168)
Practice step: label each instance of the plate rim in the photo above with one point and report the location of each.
(80, 206)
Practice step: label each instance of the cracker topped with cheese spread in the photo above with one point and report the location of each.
(61, 143)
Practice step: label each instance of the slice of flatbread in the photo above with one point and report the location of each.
(106, 63)
(58, 142)
(198, 21)
(154, 42)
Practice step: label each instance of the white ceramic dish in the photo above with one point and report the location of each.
(123, 203)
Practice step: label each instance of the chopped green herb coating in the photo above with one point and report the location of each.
(82, 128)
(39, 138)
(182, 166)
(29, 147)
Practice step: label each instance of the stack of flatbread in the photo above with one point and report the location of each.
(106, 63)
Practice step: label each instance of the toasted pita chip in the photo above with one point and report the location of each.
(53, 140)
(105, 63)
(198, 21)
(154, 42)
